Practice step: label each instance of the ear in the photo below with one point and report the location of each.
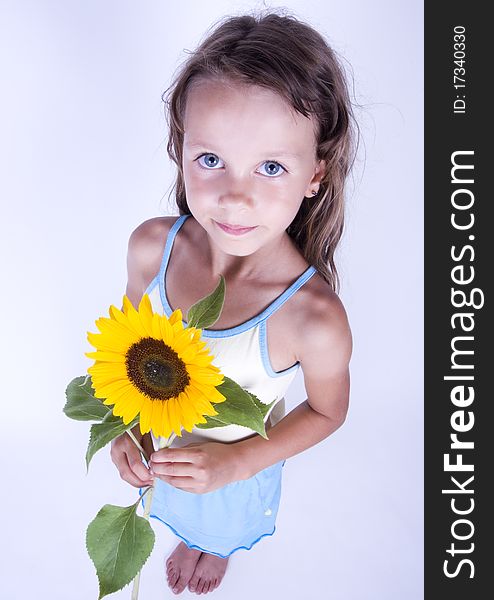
(314, 183)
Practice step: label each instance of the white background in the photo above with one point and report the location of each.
(83, 160)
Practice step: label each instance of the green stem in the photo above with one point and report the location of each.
(136, 442)
(162, 443)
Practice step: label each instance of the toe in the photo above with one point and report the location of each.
(174, 576)
(179, 586)
(193, 583)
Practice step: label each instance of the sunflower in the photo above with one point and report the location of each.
(149, 365)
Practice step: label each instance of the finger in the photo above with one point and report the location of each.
(129, 476)
(174, 469)
(174, 455)
(182, 483)
(138, 468)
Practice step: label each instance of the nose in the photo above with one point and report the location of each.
(236, 194)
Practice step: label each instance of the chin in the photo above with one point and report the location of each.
(235, 248)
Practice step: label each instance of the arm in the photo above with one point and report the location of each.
(144, 253)
(324, 355)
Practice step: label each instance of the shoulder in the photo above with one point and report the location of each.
(144, 253)
(149, 235)
(324, 335)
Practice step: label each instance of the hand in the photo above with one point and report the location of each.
(198, 468)
(127, 458)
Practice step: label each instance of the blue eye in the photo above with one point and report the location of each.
(212, 163)
(273, 172)
(210, 160)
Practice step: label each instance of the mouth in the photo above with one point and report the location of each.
(234, 229)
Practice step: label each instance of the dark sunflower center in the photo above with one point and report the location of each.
(158, 373)
(156, 369)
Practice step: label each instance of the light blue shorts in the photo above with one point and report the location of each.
(220, 522)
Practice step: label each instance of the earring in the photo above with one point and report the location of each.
(314, 192)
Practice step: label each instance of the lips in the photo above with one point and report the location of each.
(234, 229)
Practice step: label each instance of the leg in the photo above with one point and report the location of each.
(208, 573)
(180, 566)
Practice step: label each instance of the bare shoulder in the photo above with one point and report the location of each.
(322, 326)
(144, 254)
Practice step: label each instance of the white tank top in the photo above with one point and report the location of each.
(240, 352)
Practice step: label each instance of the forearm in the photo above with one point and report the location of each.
(300, 429)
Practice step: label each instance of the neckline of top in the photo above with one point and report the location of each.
(246, 325)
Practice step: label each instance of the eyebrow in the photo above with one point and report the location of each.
(278, 153)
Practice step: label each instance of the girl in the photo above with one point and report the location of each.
(261, 133)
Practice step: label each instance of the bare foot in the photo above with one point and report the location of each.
(208, 573)
(180, 566)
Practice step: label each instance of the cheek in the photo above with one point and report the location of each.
(280, 212)
(197, 187)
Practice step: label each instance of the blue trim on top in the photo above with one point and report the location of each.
(222, 333)
(265, 355)
(164, 262)
(152, 285)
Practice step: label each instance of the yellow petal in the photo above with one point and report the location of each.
(128, 307)
(156, 327)
(210, 393)
(133, 404)
(121, 317)
(155, 414)
(165, 424)
(166, 330)
(146, 315)
(191, 410)
(145, 416)
(106, 356)
(107, 389)
(109, 368)
(203, 375)
(202, 401)
(115, 333)
(200, 360)
(196, 335)
(109, 344)
(176, 317)
(135, 322)
(174, 415)
(182, 340)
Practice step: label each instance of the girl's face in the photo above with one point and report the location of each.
(248, 162)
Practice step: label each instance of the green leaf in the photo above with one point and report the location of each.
(104, 432)
(206, 311)
(81, 404)
(211, 422)
(240, 408)
(119, 543)
(264, 408)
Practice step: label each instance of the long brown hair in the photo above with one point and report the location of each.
(289, 57)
